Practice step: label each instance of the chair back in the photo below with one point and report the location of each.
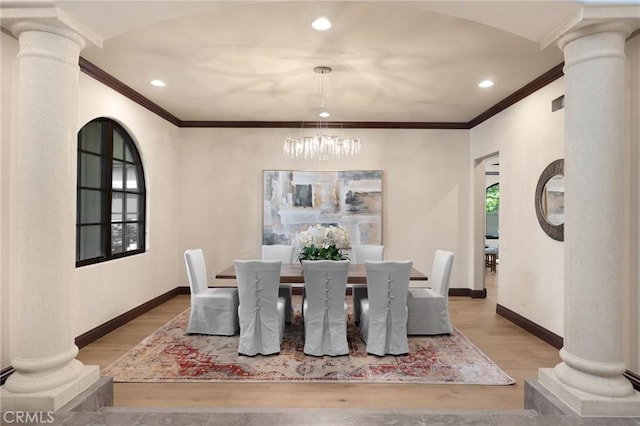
(196, 270)
(260, 324)
(387, 287)
(386, 315)
(281, 252)
(326, 280)
(362, 253)
(325, 316)
(258, 282)
(441, 272)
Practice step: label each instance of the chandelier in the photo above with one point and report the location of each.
(323, 146)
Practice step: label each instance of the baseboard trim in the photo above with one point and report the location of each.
(467, 292)
(550, 337)
(5, 373)
(634, 378)
(94, 334)
(530, 326)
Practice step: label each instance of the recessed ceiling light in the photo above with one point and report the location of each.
(158, 83)
(324, 114)
(321, 24)
(485, 83)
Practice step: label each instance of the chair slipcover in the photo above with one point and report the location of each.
(383, 324)
(325, 308)
(360, 254)
(429, 307)
(213, 310)
(261, 311)
(283, 253)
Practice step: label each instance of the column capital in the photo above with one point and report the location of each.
(48, 19)
(591, 20)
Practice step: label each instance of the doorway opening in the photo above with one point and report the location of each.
(492, 222)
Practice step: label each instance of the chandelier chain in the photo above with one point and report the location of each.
(322, 146)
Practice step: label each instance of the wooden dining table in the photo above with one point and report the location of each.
(292, 273)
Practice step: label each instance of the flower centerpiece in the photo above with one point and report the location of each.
(324, 243)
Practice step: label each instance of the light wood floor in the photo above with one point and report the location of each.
(517, 352)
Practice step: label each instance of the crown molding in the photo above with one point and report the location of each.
(115, 84)
(549, 77)
(108, 80)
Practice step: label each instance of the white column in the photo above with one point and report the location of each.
(47, 374)
(589, 379)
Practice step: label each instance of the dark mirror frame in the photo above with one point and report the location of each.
(554, 231)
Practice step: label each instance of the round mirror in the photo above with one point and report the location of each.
(549, 200)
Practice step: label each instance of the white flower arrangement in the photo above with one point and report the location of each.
(324, 243)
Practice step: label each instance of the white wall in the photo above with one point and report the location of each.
(106, 290)
(528, 137)
(425, 191)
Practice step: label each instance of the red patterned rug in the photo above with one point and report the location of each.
(172, 355)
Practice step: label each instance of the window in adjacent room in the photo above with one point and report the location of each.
(111, 197)
(492, 210)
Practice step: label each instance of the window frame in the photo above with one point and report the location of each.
(108, 129)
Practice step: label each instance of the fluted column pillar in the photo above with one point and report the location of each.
(47, 374)
(590, 377)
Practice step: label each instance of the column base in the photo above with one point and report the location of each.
(588, 405)
(53, 399)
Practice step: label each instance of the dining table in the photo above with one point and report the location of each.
(291, 273)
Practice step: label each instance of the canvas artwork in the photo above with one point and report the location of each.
(296, 199)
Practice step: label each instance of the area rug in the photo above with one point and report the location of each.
(172, 355)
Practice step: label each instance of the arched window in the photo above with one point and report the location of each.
(111, 195)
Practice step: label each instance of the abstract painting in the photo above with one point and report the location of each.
(293, 200)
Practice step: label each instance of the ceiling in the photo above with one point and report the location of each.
(392, 61)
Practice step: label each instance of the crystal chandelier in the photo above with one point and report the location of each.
(323, 146)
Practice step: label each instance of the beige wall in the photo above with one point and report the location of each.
(425, 191)
(528, 137)
(108, 289)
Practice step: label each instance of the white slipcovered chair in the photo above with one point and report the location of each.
(383, 324)
(213, 310)
(429, 307)
(325, 308)
(360, 254)
(261, 311)
(283, 253)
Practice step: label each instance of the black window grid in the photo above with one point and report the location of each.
(108, 128)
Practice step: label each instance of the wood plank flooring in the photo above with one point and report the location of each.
(517, 352)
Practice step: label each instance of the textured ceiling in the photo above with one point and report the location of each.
(393, 61)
